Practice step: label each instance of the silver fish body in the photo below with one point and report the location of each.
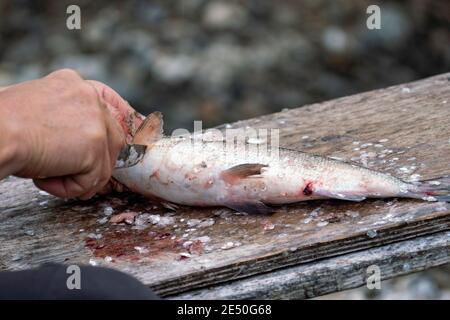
(247, 177)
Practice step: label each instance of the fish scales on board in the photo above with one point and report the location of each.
(188, 170)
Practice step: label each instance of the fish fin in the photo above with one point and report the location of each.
(431, 190)
(169, 205)
(340, 195)
(242, 171)
(251, 207)
(150, 130)
(350, 197)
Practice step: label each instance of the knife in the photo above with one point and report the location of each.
(130, 155)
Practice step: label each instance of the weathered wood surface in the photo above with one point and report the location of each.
(335, 274)
(403, 130)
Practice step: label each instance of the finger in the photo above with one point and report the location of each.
(116, 138)
(62, 187)
(87, 195)
(115, 142)
(119, 107)
(4, 88)
(113, 185)
(54, 186)
(102, 171)
(71, 186)
(112, 97)
(106, 189)
(105, 169)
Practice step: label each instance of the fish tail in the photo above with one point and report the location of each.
(431, 190)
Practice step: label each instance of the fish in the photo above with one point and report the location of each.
(193, 171)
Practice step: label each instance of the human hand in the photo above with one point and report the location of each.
(67, 132)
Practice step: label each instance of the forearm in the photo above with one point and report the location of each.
(9, 142)
(7, 155)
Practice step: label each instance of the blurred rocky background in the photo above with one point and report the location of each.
(223, 60)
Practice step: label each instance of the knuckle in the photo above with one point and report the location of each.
(66, 73)
(89, 160)
(95, 131)
(93, 152)
(88, 91)
(74, 188)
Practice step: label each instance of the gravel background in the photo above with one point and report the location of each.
(221, 61)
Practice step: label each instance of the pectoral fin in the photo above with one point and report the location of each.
(242, 171)
(169, 205)
(252, 207)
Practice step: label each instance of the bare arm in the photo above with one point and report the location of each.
(8, 147)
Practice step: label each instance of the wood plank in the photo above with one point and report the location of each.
(335, 274)
(37, 228)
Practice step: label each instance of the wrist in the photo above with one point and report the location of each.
(11, 155)
(8, 155)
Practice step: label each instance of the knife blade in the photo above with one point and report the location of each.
(130, 155)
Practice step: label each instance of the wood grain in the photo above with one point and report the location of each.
(335, 274)
(403, 130)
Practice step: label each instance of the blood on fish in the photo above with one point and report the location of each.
(308, 190)
(208, 184)
(155, 174)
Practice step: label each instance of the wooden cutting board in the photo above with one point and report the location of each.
(403, 130)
